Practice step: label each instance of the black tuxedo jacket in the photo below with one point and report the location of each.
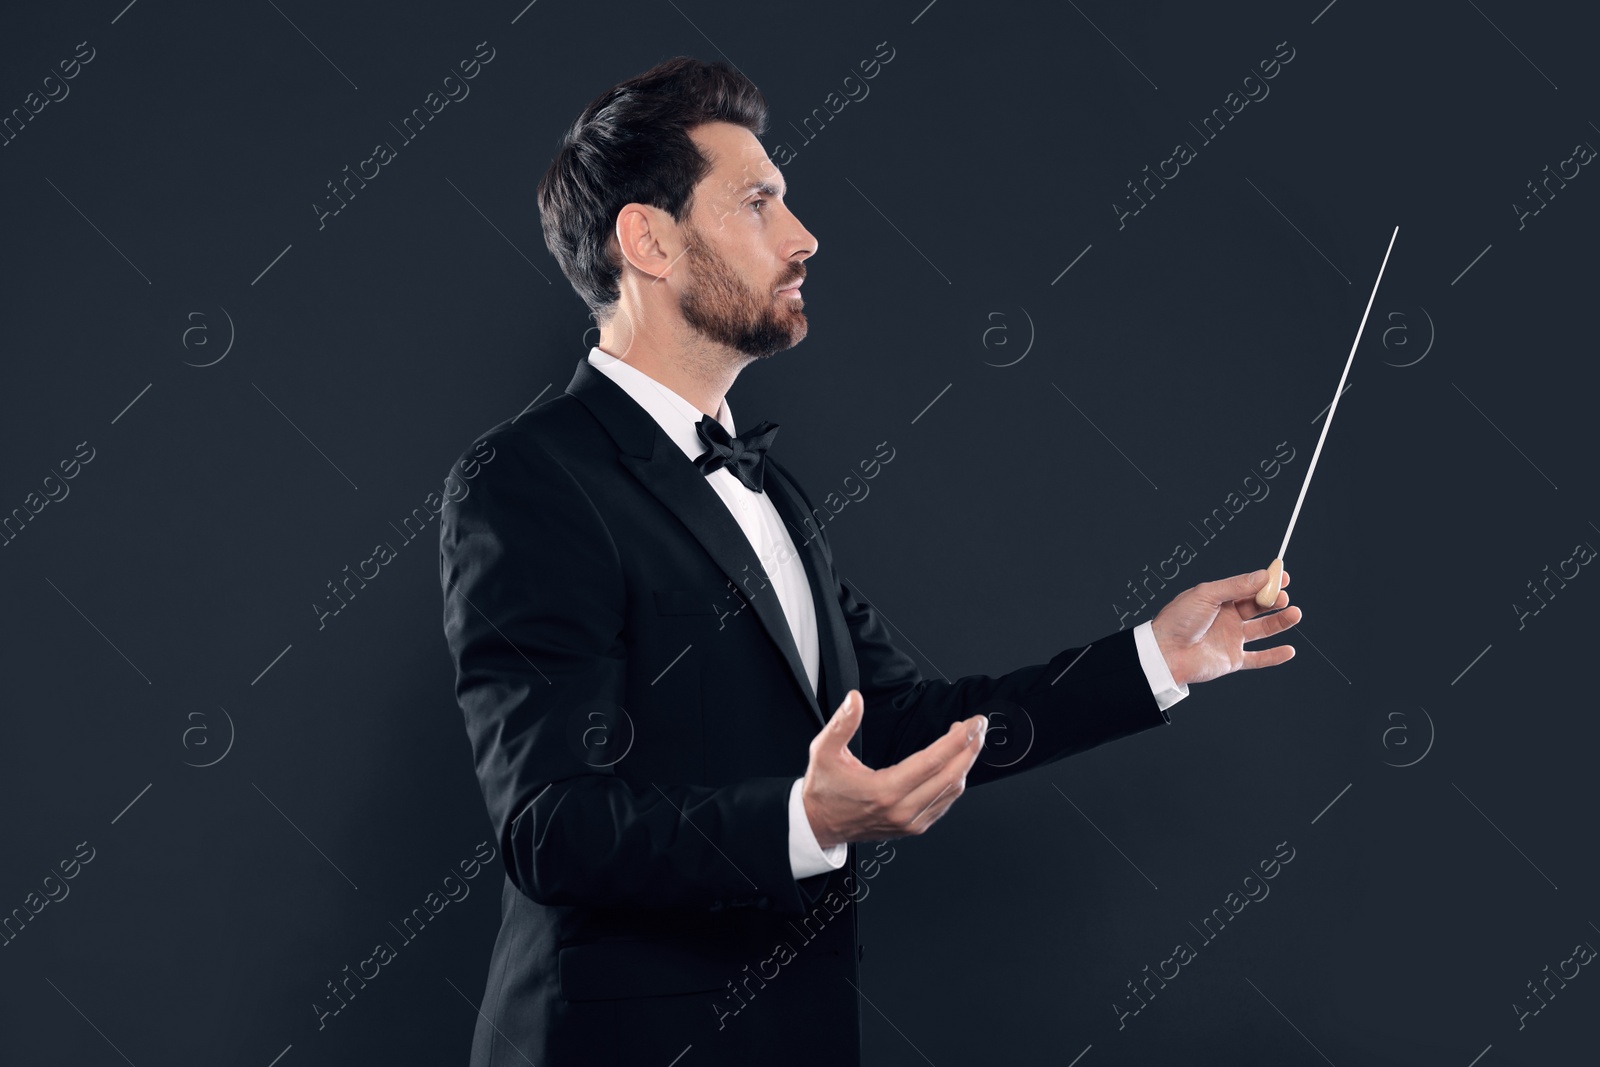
(637, 711)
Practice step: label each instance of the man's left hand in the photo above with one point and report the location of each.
(1203, 630)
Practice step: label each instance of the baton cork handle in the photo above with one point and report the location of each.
(1268, 594)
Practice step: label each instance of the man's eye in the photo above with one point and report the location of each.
(757, 203)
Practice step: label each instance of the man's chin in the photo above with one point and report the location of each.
(796, 335)
(795, 338)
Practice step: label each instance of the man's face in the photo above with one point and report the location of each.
(742, 246)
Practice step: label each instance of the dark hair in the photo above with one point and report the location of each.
(631, 144)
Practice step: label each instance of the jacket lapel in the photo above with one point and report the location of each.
(839, 672)
(662, 468)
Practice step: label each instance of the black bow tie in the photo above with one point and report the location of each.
(743, 454)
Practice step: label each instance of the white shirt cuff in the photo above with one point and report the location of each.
(806, 857)
(1162, 685)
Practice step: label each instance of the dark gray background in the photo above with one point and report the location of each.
(1174, 355)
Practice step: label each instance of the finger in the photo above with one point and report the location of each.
(1256, 629)
(932, 798)
(1249, 609)
(1236, 588)
(919, 767)
(939, 783)
(1267, 657)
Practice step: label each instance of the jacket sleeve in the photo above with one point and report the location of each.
(534, 601)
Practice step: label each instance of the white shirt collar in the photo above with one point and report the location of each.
(676, 416)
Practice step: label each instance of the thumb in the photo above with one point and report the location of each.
(846, 718)
(1238, 587)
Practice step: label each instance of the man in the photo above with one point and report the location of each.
(650, 635)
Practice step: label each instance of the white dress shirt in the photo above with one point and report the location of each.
(769, 537)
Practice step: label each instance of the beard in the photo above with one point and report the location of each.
(719, 306)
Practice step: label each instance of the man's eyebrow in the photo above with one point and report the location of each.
(765, 189)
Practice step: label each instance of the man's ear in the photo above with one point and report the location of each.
(646, 238)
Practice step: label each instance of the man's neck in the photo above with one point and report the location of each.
(700, 379)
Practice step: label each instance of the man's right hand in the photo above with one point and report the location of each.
(845, 800)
